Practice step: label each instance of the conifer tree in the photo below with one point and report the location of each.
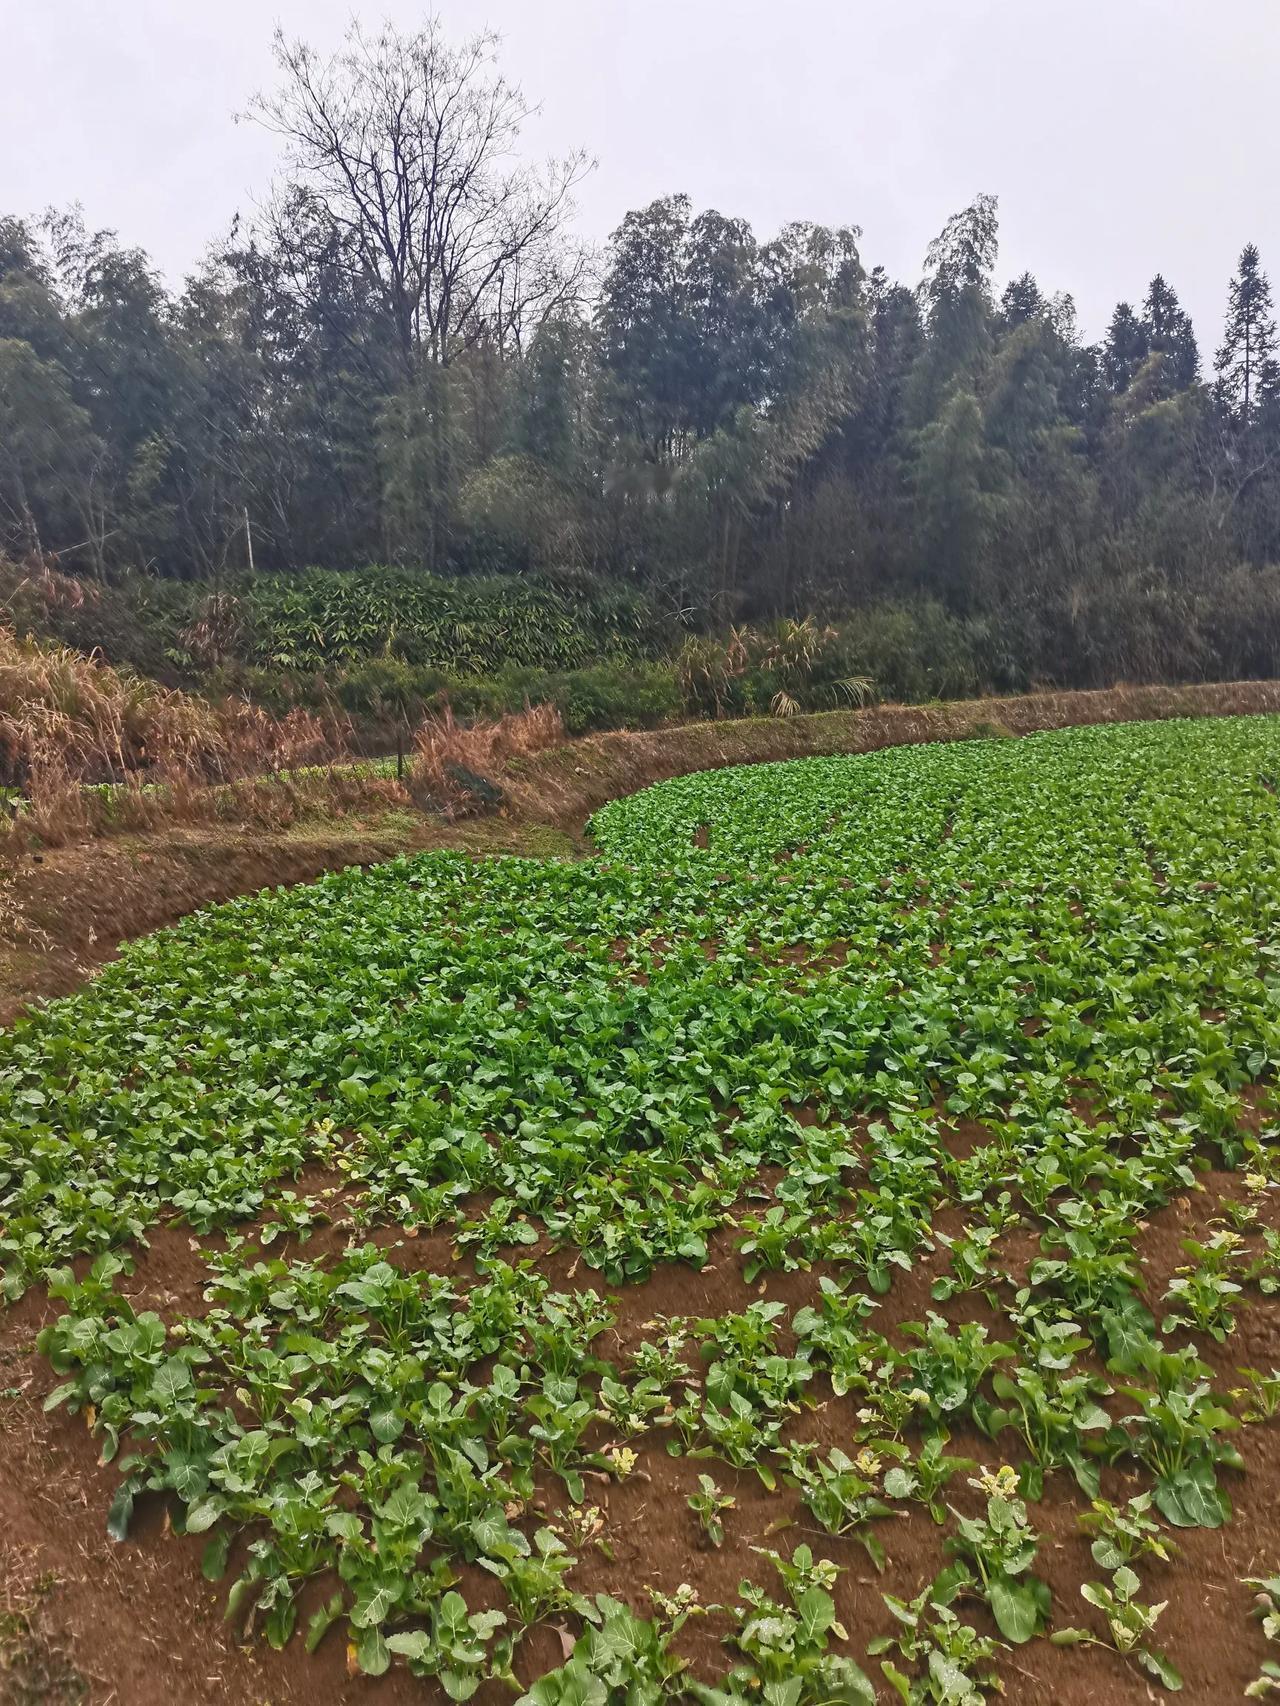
(1125, 349)
(1022, 301)
(955, 299)
(1170, 334)
(1249, 340)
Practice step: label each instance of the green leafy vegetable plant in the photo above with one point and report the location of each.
(1130, 1626)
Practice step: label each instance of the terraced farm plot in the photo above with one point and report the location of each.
(824, 1247)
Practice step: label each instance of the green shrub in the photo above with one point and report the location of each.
(388, 687)
(615, 696)
(602, 696)
(507, 690)
(1152, 626)
(914, 652)
(909, 652)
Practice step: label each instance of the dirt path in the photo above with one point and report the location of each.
(566, 784)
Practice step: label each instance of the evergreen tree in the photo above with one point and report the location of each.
(644, 327)
(551, 409)
(1022, 300)
(1170, 335)
(1126, 348)
(1024, 392)
(720, 279)
(896, 340)
(1249, 340)
(954, 514)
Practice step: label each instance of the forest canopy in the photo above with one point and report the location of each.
(410, 358)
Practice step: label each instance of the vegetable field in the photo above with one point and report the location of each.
(825, 1246)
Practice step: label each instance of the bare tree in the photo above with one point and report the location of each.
(401, 157)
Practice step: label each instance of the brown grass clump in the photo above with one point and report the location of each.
(68, 722)
(453, 761)
(63, 710)
(35, 585)
(58, 707)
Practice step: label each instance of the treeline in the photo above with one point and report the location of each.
(409, 360)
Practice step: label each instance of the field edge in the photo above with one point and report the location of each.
(66, 911)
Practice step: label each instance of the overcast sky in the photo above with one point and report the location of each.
(1121, 136)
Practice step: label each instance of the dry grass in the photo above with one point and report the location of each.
(453, 760)
(61, 709)
(68, 721)
(85, 748)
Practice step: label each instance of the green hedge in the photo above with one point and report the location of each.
(380, 692)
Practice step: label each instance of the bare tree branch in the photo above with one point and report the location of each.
(404, 148)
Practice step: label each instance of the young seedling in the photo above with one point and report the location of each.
(785, 1645)
(950, 1661)
(1201, 1295)
(840, 1491)
(1260, 1396)
(708, 1504)
(1122, 1533)
(925, 1478)
(998, 1549)
(1266, 1606)
(1130, 1626)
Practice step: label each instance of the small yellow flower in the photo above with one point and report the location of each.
(680, 1604)
(1003, 1482)
(868, 1463)
(622, 1460)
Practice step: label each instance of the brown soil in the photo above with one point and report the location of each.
(138, 1623)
